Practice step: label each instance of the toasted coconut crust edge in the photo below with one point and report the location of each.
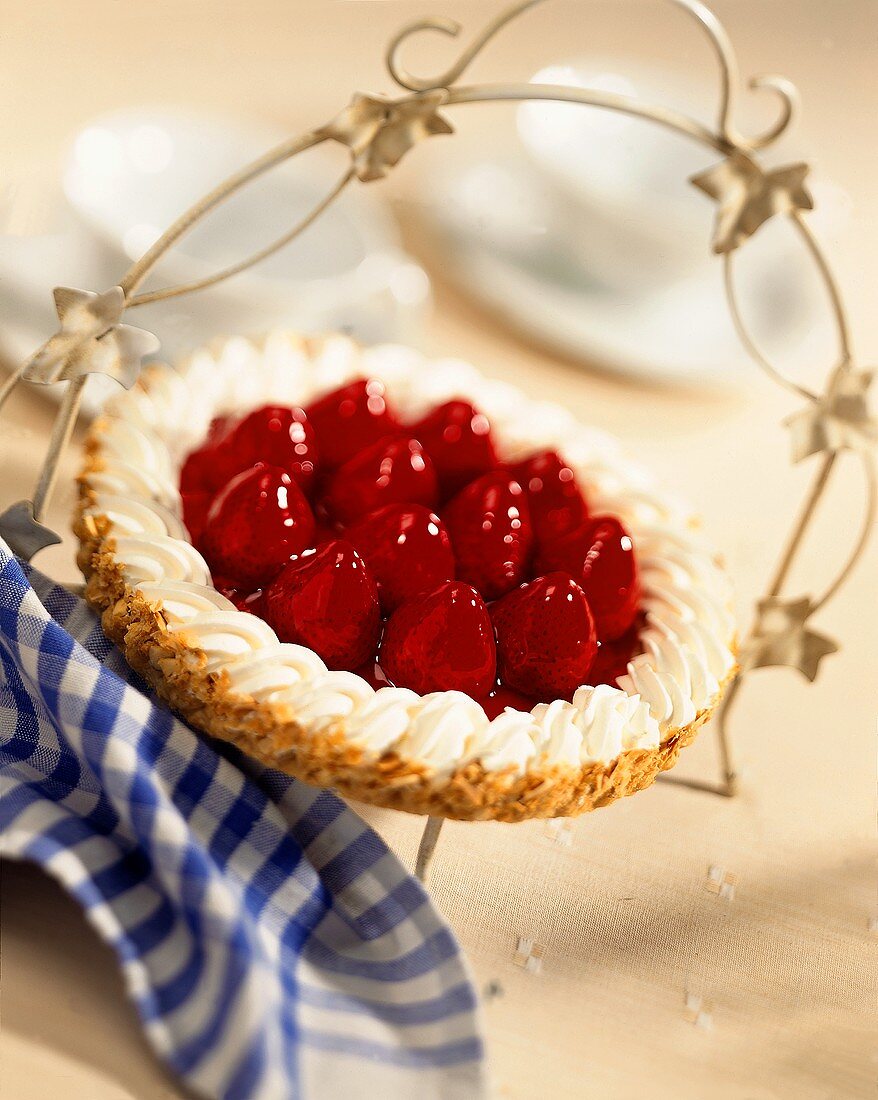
(269, 732)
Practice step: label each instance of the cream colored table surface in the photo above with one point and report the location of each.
(650, 984)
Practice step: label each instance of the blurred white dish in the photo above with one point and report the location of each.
(592, 239)
(623, 180)
(129, 174)
(507, 241)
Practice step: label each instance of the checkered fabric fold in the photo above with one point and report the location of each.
(271, 943)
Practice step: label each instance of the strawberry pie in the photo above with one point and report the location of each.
(400, 579)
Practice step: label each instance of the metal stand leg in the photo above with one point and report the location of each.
(725, 749)
(428, 846)
(728, 785)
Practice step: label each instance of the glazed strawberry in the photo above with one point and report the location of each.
(350, 419)
(491, 533)
(546, 640)
(327, 600)
(441, 642)
(458, 439)
(609, 577)
(393, 470)
(501, 697)
(198, 473)
(554, 498)
(407, 548)
(196, 505)
(255, 524)
(277, 436)
(600, 555)
(565, 552)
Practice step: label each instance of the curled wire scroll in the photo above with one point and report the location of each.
(719, 40)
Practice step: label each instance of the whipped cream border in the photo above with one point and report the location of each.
(145, 434)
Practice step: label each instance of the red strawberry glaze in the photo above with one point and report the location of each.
(350, 419)
(554, 498)
(196, 505)
(391, 471)
(243, 599)
(377, 545)
(324, 531)
(546, 639)
(491, 534)
(458, 439)
(441, 642)
(565, 552)
(407, 548)
(611, 660)
(501, 697)
(254, 603)
(327, 600)
(227, 587)
(373, 674)
(197, 474)
(255, 524)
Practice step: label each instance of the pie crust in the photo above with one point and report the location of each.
(226, 673)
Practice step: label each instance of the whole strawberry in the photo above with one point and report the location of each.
(196, 505)
(490, 529)
(391, 471)
(546, 640)
(407, 548)
(349, 419)
(277, 436)
(458, 439)
(610, 578)
(255, 524)
(554, 497)
(600, 555)
(198, 473)
(327, 600)
(443, 641)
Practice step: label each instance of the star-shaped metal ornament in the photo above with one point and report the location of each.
(838, 420)
(379, 132)
(782, 638)
(91, 340)
(748, 196)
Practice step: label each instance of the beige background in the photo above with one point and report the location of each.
(651, 983)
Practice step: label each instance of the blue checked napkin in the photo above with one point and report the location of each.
(271, 943)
